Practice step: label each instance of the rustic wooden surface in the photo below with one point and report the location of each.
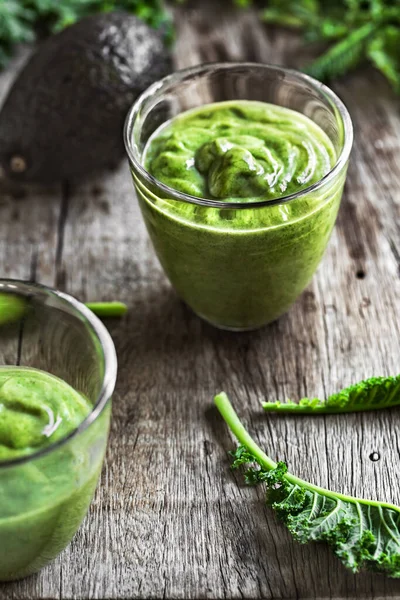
(169, 519)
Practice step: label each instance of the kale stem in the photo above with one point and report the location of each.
(230, 417)
(108, 309)
(295, 408)
(322, 409)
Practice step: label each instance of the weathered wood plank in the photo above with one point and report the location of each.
(169, 519)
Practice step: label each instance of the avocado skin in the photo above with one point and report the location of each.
(64, 114)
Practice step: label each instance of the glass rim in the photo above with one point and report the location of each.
(110, 367)
(184, 74)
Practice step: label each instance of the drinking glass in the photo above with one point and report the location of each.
(45, 496)
(238, 278)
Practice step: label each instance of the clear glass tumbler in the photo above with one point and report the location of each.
(239, 278)
(45, 496)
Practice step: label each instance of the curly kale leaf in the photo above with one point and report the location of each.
(361, 533)
(371, 394)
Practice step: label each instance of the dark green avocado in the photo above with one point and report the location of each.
(63, 118)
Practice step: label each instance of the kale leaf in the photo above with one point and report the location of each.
(361, 533)
(371, 394)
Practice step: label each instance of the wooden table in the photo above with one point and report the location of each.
(169, 519)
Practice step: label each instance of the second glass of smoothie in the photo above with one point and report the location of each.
(239, 171)
(57, 374)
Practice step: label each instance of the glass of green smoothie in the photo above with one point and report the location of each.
(57, 373)
(239, 170)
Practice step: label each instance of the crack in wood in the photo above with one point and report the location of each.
(396, 254)
(34, 264)
(60, 276)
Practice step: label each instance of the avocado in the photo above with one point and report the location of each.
(63, 118)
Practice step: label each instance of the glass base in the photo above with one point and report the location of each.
(232, 329)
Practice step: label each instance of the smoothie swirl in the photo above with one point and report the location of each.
(241, 150)
(36, 410)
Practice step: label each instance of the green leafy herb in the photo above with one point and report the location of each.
(355, 31)
(371, 394)
(108, 309)
(25, 20)
(344, 55)
(384, 52)
(362, 533)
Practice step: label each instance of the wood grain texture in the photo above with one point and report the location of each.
(169, 519)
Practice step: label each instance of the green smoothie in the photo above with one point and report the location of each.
(240, 268)
(43, 499)
(240, 150)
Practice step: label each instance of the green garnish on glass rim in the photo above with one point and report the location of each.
(362, 533)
